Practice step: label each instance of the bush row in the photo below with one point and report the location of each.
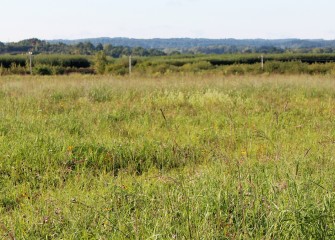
(67, 61)
(42, 69)
(65, 64)
(275, 67)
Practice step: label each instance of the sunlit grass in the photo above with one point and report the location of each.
(183, 157)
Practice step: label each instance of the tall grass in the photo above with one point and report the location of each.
(181, 157)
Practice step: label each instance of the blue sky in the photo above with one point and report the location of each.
(72, 19)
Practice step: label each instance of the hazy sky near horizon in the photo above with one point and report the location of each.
(73, 19)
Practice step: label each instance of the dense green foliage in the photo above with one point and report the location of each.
(52, 60)
(82, 48)
(227, 64)
(118, 47)
(185, 157)
(148, 60)
(218, 46)
(100, 62)
(54, 64)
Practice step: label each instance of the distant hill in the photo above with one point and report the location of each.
(188, 43)
(38, 46)
(118, 47)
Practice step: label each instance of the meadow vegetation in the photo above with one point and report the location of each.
(179, 156)
(143, 66)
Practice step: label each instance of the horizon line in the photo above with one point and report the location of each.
(168, 38)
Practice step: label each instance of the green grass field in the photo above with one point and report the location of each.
(178, 157)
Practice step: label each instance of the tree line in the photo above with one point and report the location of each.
(162, 47)
(38, 46)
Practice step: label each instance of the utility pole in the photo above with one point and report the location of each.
(30, 62)
(262, 62)
(129, 65)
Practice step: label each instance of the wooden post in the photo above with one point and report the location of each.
(129, 65)
(262, 62)
(30, 62)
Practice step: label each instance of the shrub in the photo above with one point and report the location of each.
(58, 70)
(319, 68)
(7, 60)
(197, 66)
(17, 69)
(43, 70)
(274, 67)
(63, 61)
(100, 62)
(118, 68)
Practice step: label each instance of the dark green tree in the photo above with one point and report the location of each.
(99, 47)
